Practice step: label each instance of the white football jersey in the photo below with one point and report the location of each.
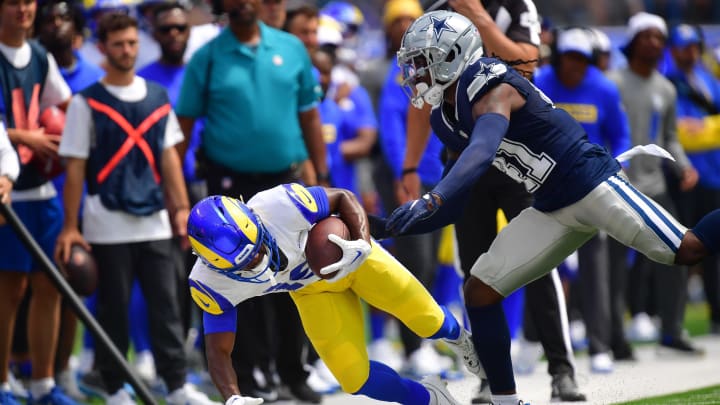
(288, 212)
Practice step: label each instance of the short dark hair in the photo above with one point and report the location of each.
(165, 7)
(74, 10)
(308, 10)
(114, 21)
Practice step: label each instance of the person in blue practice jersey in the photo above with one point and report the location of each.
(487, 113)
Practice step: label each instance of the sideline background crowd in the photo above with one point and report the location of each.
(351, 48)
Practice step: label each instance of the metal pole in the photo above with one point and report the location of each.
(436, 5)
(62, 285)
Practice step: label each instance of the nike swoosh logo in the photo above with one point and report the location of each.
(357, 256)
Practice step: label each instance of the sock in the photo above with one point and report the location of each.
(40, 388)
(491, 338)
(377, 325)
(384, 384)
(511, 399)
(450, 328)
(708, 231)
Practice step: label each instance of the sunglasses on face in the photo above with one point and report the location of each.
(166, 29)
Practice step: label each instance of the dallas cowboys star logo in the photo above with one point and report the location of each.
(438, 25)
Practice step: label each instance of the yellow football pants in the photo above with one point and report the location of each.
(332, 314)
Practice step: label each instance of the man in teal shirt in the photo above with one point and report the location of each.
(255, 88)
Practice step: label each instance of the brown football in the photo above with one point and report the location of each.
(319, 250)
(81, 270)
(53, 120)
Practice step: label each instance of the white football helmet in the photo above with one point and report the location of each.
(441, 44)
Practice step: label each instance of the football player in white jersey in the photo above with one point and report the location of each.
(258, 248)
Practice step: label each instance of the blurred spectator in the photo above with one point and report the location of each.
(649, 100)
(31, 83)
(95, 9)
(303, 22)
(574, 84)
(255, 140)
(359, 134)
(125, 218)
(547, 39)
(602, 49)
(273, 13)
(351, 20)
(698, 109)
(171, 30)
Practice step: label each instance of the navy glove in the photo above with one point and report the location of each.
(413, 212)
(377, 227)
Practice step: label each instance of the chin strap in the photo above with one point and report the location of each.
(427, 94)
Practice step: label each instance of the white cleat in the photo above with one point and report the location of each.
(121, 397)
(439, 395)
(464, 348)
(145, 365)
(189, 395)
(601, 363)
(383, 351)
(427, 361)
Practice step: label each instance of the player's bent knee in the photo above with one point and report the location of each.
(352, 379)
(479, 294)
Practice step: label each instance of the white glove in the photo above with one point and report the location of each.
(354, 254)
(238, 400)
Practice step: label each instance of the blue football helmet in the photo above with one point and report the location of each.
(348, 15)
(228, 236)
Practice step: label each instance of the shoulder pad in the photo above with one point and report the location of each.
(301, 197)
(208, 299)
(482, 76)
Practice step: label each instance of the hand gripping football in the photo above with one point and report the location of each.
(81, 271)
(319, 250)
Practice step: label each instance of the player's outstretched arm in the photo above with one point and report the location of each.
(218, 347)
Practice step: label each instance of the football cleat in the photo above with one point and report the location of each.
(464, 348)
(439, 395)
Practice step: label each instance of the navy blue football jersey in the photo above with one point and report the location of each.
(544, 147)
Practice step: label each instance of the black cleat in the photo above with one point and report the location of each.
(565, 389)
(483, 394)
(304, 394)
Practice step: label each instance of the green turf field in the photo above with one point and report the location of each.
(704, 396)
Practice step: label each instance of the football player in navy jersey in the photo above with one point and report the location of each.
(486, 113)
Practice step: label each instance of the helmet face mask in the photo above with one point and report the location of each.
(232, 240)
(435, 50)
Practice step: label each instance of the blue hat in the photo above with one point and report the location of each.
(684, 35)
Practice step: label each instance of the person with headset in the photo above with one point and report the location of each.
(573, 82)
